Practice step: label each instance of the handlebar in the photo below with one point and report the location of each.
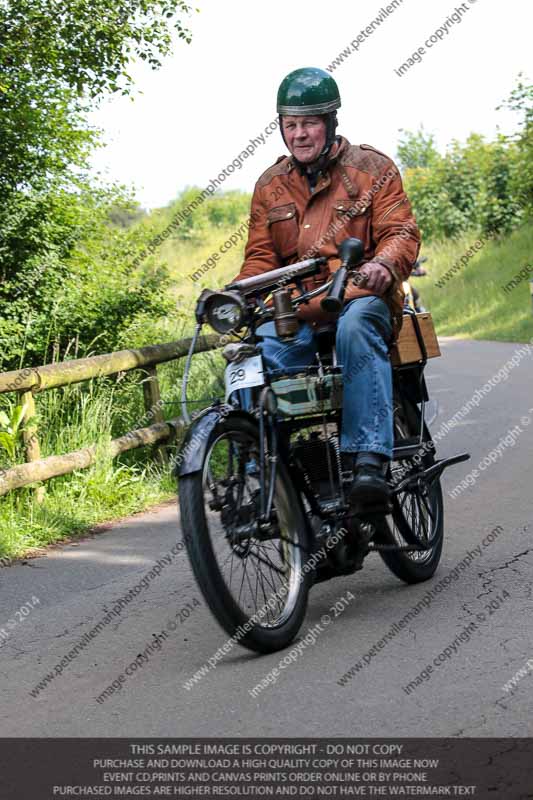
(261, 282)
(229, 309)
(334, 298)
(351, 252)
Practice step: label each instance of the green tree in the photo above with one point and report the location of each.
(416, 149)
(521, 101)
(57, 60)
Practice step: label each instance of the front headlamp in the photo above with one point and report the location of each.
(225, 311)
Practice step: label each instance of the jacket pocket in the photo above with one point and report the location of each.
(283, 224)
(351, 219)
(348, 207)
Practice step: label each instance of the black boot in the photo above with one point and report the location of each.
(370, 491)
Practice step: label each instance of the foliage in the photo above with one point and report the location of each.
(64, 240)
(72, 286)
(55, 58)
(10, 429)
(469, 187)
(218, 211)
(416, 149)
(480, 185)
(521, 101)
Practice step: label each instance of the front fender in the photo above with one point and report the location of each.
(192, 452)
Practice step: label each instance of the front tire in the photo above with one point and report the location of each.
(242, 571)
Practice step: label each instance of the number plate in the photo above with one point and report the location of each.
(244, 374)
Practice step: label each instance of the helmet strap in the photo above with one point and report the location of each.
(331, 127)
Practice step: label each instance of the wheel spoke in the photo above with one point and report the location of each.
(266, 560)
(242, 582)
(415, 516)
(245, 566)
(265, 604)
(263, 573)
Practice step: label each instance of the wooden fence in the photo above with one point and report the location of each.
(32, 380)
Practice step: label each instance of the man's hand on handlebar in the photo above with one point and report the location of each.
(378, 277)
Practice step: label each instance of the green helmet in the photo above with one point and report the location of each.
(308, 90)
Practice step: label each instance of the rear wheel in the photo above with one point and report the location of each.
(417, 514)
(253, 578)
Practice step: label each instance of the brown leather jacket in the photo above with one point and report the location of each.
(359, 194)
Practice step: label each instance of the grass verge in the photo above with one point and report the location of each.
(473, 302)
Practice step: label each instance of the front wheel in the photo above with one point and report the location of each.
(255, 579)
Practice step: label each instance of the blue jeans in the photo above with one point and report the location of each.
(363, 329)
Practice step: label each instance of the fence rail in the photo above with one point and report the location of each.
(32, 380)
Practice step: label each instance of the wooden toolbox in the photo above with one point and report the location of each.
(407, 349)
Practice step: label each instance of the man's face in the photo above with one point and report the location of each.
(305, 137)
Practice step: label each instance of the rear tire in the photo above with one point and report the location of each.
(234, 445)
(415, 519)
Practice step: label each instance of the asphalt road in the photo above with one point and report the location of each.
(78, 584)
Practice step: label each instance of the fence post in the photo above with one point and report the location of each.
(152, 405)
(29, 437)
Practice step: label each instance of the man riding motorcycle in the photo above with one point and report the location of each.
(304, 206)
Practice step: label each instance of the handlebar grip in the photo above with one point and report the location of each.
(333, 301)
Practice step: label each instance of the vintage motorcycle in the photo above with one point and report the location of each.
(262, 483)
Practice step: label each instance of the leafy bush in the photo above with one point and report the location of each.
(67, 278)
(478, 185)
(470, 187)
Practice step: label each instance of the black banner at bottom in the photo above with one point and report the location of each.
(49, 769)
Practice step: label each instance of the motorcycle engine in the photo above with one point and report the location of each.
(319, 460)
